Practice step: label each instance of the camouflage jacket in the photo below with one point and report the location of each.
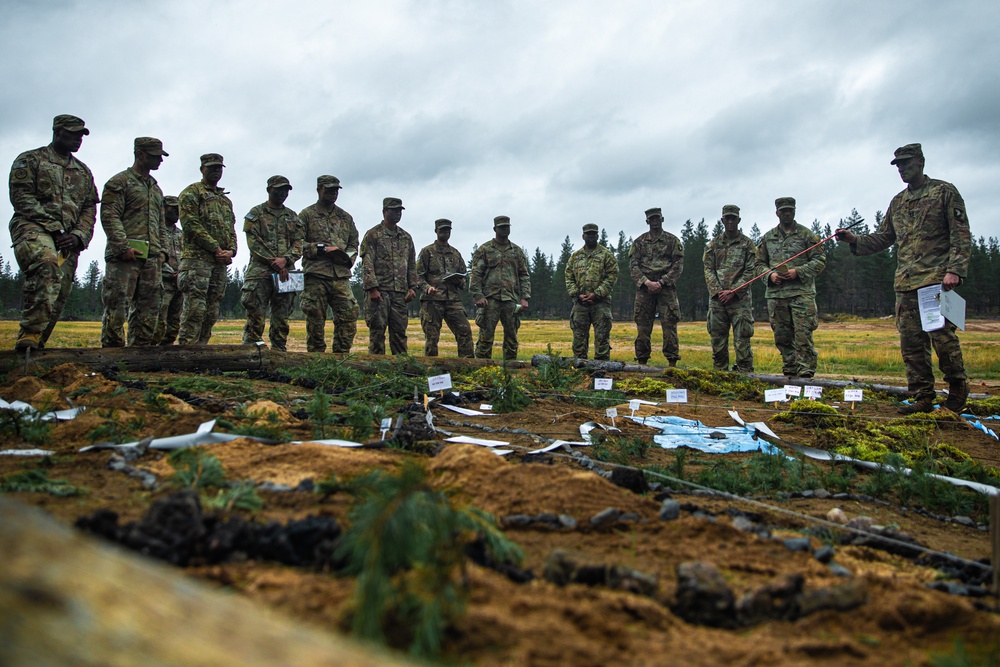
(500, 272)
(729, 263)
(932, 235)
(334, 227)
(388, 260)
(52, 193)
(591, 271)
(777, 246)
(172, 249)
(271, 233)
(434, 263)
(132, 209)
(656, 258)
(207, 220)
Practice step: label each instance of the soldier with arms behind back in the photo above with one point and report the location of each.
(730, 260)
(656, 260)
(501, 288)
(591, 274)
(442, 274)
(169, 321)
(389, 270)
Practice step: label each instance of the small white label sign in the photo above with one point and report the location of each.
(775, 395)
(604, 384)
(813, 392)
(439, 382)
(611, 412)
(634, 404)
(486, 406)
(677, 395)
(793, 390)
(854, 395)
(387, 423)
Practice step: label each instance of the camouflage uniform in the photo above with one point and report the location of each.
(728, 264)
(659, 259)
(131, 210)
(433, 263)
(499, 275)
(209, 223)
(270, 233)
(591, 271)
(388, 264)
(791, 306)
(50, 194)
(931, 230)
(169, 322)
(328, 278)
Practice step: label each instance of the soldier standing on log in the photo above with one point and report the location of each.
(656, 260)
(171, 301)
(501, 287)
(442, 274)
(591, 274)
(730, 260)
(389, 270)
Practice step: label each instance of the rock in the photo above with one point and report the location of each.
(605, 517)
(806, 494)
(821, 494)
(628, 517)
(949, 587)
(669, 510)
(839, 570)
(566, 521)
(836, 515)
(824, 554)
(273, 487)
(703, 597)
(516, 521)
(778, 600)
(964, 521)
(845, 597)
(743, 523)
(861, 523)
(629, 478)
(563, 567)
(796, 543)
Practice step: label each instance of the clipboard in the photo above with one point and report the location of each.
(296, 282)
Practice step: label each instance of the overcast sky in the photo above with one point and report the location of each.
(553, 113)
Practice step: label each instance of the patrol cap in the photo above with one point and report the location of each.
(906, 152)
(278, 182)
(650, 212)
(392, 202)
(208, 159)
(784, 202)
(328, 182)
(731, 209)
(170, 200)
(501, 221)
(67, 122)
(442, 223)
(150, 145)
(590, 227)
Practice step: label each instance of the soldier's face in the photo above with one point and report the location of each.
(150, 161)
(655, 223)
(277, 195)
(590, 239)
(212, 173)
(393, 215)
(328, 195)
(502, 233)
(910, 169)
(786, 216)
(66, 142)
(731, 223)
(171, 214)
(443, 234)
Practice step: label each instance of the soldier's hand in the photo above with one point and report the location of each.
(68, 242)
(481, 303)
(950, 282)
(846, 236)
(524, 304)
(374, 295)
(331, 248)
(431, 290)
(278, 263)
(775, 277)
(283, 275)
(223, 256)
(653, 286)
(725, 296)
(410, 296)
(790, 274)
(128, 255)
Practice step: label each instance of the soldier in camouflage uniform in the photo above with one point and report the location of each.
(730, 260)
(274, 241)
(169, 321)
(591, 274)
(656, 260)
(209, 247)
(791, 289)
(331, 246)
(55, 208)
(440, 298)
(389, 272)
(501, 288)
(928, 224)
(133, 219)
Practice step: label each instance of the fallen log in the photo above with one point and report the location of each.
(608, 366)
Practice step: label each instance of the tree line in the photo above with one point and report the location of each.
(859, 286)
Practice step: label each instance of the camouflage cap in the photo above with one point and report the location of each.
(590, 227)
(442, 223)
(906, 152)
(208, 159)
(279, 182)
(70, 123)
(170, 200)
(501, 221)
(149, 145)
(328, 182)
(731, 209)
(392, 202)
(784, 202)
(650, 212)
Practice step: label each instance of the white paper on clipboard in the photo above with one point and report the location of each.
(929, 302)
(953, 307)
(296, 282)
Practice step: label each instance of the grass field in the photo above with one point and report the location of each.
(861, 348)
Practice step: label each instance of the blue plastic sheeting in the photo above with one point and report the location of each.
(680, 432)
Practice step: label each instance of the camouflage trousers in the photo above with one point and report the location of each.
(319, 294)
(487, 318)
(257, 296)
(389, 313)
(793, 320)
(647, 306)
(169, 321)
(738, 316)
(915, 344)
(432, 312)
(130, 289)
(47, 283)
(582, 317)
(203, 283)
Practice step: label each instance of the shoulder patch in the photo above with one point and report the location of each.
(20, 174)
(19, 164)
(251, 216)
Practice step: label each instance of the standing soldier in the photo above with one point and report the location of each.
(133, 220)
(274, 241)
(55, 208)
(389, 270)
(209, 247)
(730, 260)
(656, 260)
(442, 274)
(591, 274)
(791, 289)
(331, 246)
(169, 322)
(501, 288)
(928, 223)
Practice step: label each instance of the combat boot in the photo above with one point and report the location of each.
(27, 341)
(957, 393)
(922, 405)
